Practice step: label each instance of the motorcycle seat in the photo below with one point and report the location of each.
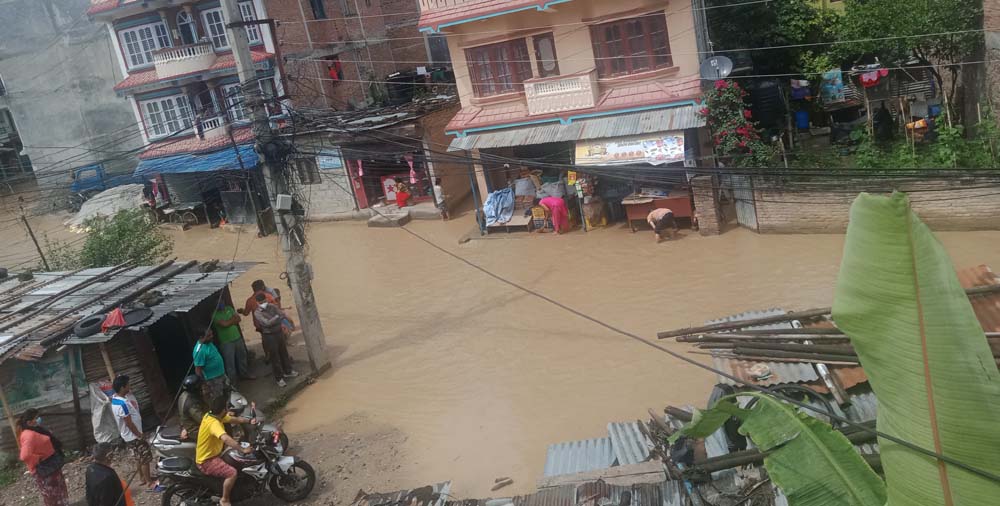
(176, 464)
(173, 433)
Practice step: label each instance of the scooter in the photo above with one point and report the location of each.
(291, 479)
(167, 441)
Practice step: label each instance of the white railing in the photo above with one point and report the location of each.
(175, 61)
(549, 95)
(213, 127)
(429, 5)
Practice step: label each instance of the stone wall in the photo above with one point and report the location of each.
(944, 204)
(706, 204)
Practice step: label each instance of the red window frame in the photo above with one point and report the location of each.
(630, 46)
(499, 68)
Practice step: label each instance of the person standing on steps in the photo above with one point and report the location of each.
(269, 318)
(42, 453)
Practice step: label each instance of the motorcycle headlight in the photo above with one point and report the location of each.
(241, 402)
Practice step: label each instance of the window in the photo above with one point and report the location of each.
(499, 68)
(185, 25)
(215, 27)
(631, 45)
(139, 43)
(253, 31)
(319, 11)
(234, 103)
(307, 170)
(545, 55)
(347, 7)
(166, 116)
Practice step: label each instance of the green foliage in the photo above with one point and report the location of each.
(784, 23)
(736, 138)
(811, 462)
(951, 150)
(914, 329)
(130, 235)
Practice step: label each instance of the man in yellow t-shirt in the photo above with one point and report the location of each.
(212, 440)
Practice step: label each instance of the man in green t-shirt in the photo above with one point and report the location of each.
(226, 324)
(209, 366)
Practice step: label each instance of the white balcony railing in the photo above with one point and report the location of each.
(547, 95)
(214, 127)
(429, 5)
(177, 61)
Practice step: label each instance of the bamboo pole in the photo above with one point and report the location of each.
(81, 433)
(107, 361)
(10, 417)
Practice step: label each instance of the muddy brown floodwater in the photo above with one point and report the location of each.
(481, 377)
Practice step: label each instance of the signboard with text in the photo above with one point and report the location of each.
(657, 149)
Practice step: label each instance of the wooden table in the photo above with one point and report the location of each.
(638, 207)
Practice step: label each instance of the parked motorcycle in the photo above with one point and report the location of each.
(289, 478)
(167, 441)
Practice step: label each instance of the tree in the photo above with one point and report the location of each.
(785, 25)
(871, 23)
(912, 325)
(130, 235)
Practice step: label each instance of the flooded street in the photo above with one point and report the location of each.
(480, 377)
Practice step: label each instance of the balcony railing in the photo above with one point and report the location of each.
(177, 61)
(548, 95)
(214, 127)
(429, 5)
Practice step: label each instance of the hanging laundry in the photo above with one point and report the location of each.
(413, 173)
(800, 89)
(831, 91)
(870, 79)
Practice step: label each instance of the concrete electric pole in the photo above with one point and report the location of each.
(291, 235)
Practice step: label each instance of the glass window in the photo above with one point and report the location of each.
(185, 25)
(253, 31)
(499, 68)
(545, 55)
(234, 102)
(166, 116)
(631, 45)
(216, 28)
(140, 42)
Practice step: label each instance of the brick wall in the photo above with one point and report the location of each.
(943, 204)
(454, 173)
(380, 40)
(706, 204)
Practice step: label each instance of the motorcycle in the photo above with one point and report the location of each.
(291, 479)
(167, 441)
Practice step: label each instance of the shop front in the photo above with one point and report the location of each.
(390, 176)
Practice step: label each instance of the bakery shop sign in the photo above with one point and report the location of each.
(656, 149)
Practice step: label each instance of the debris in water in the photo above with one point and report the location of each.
(501, 484)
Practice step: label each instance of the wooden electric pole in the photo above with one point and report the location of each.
(291, 234)
(31, 234)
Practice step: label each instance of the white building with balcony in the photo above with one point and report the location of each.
(182, 84)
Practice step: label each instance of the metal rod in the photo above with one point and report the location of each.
(107, 361)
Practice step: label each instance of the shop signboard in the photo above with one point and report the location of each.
(657, 149)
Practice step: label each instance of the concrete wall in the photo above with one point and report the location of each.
(59, 70)
(572, 36)
(331, 198)
(943, 204)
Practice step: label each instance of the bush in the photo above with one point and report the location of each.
(128, 236)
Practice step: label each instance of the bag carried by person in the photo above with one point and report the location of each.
(53, 463)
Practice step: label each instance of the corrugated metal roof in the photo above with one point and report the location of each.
(781, 372)
(430, 495)
(986, 306)
(621, 125)
(579, 456)
(181, 292)
(555, 496)
(630, 445)
(222, 159)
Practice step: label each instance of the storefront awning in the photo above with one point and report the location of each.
(637, 123)
(223, 159)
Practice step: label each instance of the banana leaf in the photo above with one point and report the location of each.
(813, 464)
(899, 300)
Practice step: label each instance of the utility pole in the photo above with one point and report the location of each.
(291, 235)
(31, 234)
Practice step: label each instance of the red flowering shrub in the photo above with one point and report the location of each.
(736, 138)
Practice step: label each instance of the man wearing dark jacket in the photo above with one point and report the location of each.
(104, 488)
(268, 317)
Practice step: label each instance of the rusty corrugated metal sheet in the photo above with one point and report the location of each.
(781, 372)
(986, 306)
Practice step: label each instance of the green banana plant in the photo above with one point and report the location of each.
(927, 360)
(899, 300)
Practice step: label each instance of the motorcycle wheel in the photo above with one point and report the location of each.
(184, 494)
(296, 485)
(283, 439)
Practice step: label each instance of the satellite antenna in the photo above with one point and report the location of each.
(716, 67)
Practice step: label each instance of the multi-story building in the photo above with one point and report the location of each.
(574, 82)
(182, 85)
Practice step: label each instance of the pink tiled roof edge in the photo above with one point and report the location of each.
(194, 144)
(226, 61)
(471, 9)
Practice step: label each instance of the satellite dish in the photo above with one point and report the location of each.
(716, 67)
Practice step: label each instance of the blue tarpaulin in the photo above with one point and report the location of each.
(223, 159)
